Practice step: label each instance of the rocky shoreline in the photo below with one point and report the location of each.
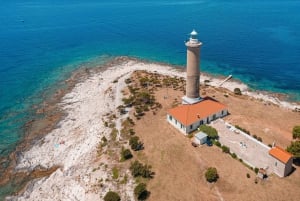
(59, 149)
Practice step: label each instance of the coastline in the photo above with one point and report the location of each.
(79, 126)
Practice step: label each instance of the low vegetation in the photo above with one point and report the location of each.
(237, 91)
(126, 154)
(225, 149)
(243, 129)
(140, 170)
(296, 132)
(211, 132)
(112, 196)
(211, 174)
(135, 143)
(115, 173)
(294, 148)
(141, 192)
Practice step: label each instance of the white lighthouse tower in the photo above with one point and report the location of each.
(192, 69)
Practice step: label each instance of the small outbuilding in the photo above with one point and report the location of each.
(200, 138)
(282, 161)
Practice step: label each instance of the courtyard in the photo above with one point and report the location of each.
(250, 150)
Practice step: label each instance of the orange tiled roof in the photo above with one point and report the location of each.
(280, 154)
(188, 114)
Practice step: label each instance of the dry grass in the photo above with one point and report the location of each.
(180, 168)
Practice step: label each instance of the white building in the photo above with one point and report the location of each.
(188, 118)
(281, 161)
(200, 138)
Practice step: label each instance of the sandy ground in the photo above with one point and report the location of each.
(178, 166)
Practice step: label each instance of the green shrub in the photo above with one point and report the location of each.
(256, 170)
(135, 144)
(259, 139)
(114, 134)
(126, 154)
(128, 80)
(140, 192)
(211, 132)
(112, 196)
(248, 175)
(225, 149)
(115, 173)
(242, 129)
(233, 155)
(294, 149)
(130, 120)
(217, 143)
(131, 131)
(138, 169)
(237, 91)
(211, 174)
(296, 132)
(103, 139)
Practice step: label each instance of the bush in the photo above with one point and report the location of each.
(210, 131)
(135, 143)
(126, 154)
(248, 175)
(259, 139)
(115, 173)
(138, 169)
(233, 155)
(294, 149)
(211, 174)
(217, 143)
(112, 196)
(225, 149)
(141, 192)
(256, 170)
(296, 132)
(237, 91)
(242, 129)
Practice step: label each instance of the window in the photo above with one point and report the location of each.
(214, 117)
(276, 163)
(180, 125)
(201, 122)
(191, 126)
(176, 122)
(170, 117)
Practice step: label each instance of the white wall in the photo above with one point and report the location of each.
(279, 168)
(176, 124)
(196, 124)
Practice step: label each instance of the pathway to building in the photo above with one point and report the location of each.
(253, 152)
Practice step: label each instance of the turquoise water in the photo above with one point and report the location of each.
(41, 42)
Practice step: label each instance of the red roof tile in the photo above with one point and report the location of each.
(188, 114)
(280, 154)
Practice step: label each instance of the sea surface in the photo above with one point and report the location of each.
(43, 41)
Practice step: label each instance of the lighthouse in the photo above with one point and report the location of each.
(192, 69)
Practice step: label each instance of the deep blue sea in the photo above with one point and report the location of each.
(42, 41)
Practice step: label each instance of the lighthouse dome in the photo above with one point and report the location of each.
(194, 37)
(194, 33)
